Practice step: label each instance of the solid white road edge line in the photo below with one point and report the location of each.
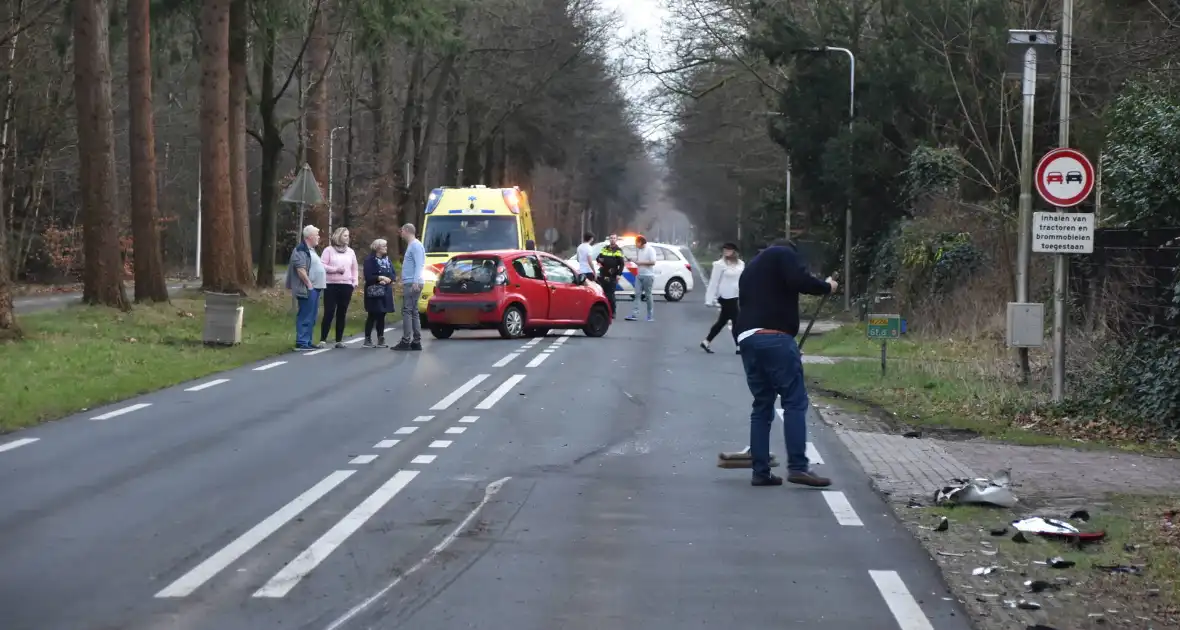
(468, 419)
(315, 352)
(455, 430)
(499, 392)
(203, 572)
(386, 444)
(842, 509)
(506, 360)
(118, 412)
(306, 562)
(263, 368)
(17, 444)
(362, 459)
(423, 459)
(454, 396)
(905, 609)
(213, 383)
(489, 492)
(537, 360)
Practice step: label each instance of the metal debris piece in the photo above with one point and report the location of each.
(1024, 604)
(991, 491)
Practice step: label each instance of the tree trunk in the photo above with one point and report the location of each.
(454, 117)
(472, 163)
(318, 58)
(218, 269)
(102, 276)
(9, 329)
(239, 193)
(417, 194)
(272, 148)
(150, 285)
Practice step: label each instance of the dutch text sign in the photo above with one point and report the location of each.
(1063, 232)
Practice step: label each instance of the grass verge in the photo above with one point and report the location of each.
(1141, 534)
(81, 357)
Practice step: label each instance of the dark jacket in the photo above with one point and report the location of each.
(768, 291)
(611, 262)
(374, 267)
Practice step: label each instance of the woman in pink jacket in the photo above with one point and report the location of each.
(340, 262)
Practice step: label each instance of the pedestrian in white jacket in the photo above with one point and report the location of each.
(723, 291)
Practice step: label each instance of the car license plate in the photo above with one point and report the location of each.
(462, 316)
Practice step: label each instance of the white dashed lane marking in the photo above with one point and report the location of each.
(454, 396)
(538, 360)
(306, 562)
(405, 430)
(500, 391)
(468, 419)
(213, 383)
(386, 444)
(315, 352)
(205, 571)
(842, 509)
(506, 360)
(362, 459)
(423, 459)
(440, 444)
(17, 444)
(905, 609)
(455, 430)
(118, 412)
(263, 368)
(423, 418)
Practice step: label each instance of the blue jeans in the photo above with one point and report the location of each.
(774, 368)
(643, 288)
(305, 318)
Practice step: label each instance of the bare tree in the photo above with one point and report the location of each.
(238, 85)
(150, 284)
(102, 277)
(218, 269)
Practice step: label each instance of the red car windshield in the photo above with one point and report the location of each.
(469, 274)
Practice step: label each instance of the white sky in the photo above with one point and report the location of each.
(640, 17)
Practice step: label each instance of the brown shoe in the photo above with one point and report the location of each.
(808, 478)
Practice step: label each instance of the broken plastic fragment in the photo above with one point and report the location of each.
(993, 491)
(1037, 586)
(1054, 528)
(1121, 568)
(1027, 605)
(1060, 563)
(984, 570)
(999, 531)
(1080, 515)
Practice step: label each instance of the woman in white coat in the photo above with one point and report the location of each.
(723, 291)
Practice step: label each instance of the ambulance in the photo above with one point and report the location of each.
(465, 220)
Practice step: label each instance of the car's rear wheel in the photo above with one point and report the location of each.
(441, 332)
(598, 322)
(512, 322)
(537, 332)
(675, 289)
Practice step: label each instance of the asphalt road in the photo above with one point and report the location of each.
(562, 483)
(25, 304)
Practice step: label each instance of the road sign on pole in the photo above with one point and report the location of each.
(303, 191)
(1064, 177)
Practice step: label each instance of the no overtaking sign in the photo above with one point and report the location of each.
(1064, 178)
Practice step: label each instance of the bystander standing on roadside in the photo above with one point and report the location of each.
(723, 292)
(768, 321)
(306, 278)
(586, 257)
(340, 264)
(645, 260)
(413, 264)
(378, 291)
(611, 263)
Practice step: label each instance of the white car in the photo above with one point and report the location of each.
(673, 270)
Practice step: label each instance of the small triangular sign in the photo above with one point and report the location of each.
(304, 189)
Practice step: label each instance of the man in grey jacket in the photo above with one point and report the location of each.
(306, 278)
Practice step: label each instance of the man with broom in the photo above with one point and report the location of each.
(768, 321)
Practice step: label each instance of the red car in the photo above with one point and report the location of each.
(520, 293)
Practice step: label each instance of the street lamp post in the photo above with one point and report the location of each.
(848, 208)
(331, 170)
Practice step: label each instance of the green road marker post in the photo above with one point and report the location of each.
(883, 327)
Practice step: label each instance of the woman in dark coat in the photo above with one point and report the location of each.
(378, 292)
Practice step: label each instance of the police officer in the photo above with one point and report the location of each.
(611, 263)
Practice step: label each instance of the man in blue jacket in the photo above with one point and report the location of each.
(768, 320)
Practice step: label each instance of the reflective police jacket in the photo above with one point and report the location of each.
(611, 261)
